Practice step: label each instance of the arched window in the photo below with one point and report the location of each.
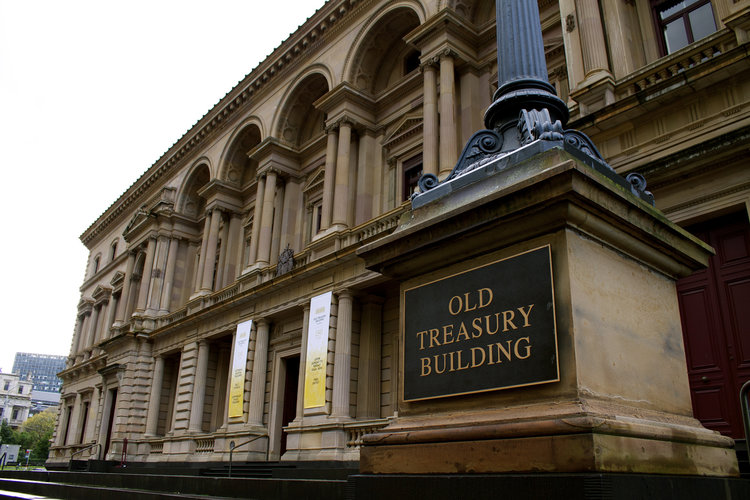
(97, 262)
(113, 251)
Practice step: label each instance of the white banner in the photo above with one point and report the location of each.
(317, 350)
(239, 363)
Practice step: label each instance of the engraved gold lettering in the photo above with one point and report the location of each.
(434, 332)
(485, 297)
(468, 307)
(421, 339)
(448, 334)
(436, 357)
(527, 346)
(525, 315)
(490, 331)
(504, 351)
(462, 332)
(458, 361)
(508, 320)
(477, 324)
(460, 305)
(426, 369)
(474, 362)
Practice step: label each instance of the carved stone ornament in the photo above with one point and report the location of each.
(286, 261)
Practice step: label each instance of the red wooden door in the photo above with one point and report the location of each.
(715, 313)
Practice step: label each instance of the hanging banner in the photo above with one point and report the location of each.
(239, 363)
(317, 350)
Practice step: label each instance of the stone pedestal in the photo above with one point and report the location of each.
(622, 401)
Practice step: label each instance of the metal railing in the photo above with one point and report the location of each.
(78, 452)
(233, 446)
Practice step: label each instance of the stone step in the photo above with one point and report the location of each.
(86, 492)
(107, 485)
(15, 495)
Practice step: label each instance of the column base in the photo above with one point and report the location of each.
(550, 441)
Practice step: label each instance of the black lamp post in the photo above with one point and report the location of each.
(525, 108)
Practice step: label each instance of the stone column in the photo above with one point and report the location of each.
(202, 257)
(91, 419)
(351, 194)
(223, 247)
(430, 120)
(341, 192)
(157, 275)
(166, 296)
(302, 363)
(368, 380)
(592, 37)
(448, 136)
(199, 388)
(122, 306)
(146, 277)
(234, 235)
(343, 356)
(80, 334)
(266, 227)
(114, 305)
(258, 384)
(101, 321)
(329, 179)
(210, 260)
(368, 175)
(101, 438)
(278, 217)
(255, 233)
(154, 401)
(291, 232)
(75, 421)
(91, 336)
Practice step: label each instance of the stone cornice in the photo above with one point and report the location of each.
(324, 24)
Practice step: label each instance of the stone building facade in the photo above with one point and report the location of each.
(15, 399)
(262, 204)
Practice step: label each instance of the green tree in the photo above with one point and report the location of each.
(36, 433)
(7, 435)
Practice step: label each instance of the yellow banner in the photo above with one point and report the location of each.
(317, 350)
(239, 362)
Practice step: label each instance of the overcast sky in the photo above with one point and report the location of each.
(91, 94)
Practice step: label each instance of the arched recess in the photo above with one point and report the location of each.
(382, 57)
(237, 168)
(299, 121)
(190, 203)
(476, 11)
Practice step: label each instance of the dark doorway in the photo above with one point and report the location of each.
(715, 313)
(291, 377)
(110, 419)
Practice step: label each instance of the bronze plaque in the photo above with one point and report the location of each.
(488, 328)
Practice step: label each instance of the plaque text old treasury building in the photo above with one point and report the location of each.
(224, 299)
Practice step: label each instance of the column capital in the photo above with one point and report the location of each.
(429, 64)
(447, 52)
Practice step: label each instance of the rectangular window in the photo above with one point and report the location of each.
(412, 171)
(682, 22)
(6, 386)
(317, 217)
(20, 390)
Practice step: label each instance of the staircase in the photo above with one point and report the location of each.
(43, 485)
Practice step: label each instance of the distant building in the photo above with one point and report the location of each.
(15, 399)
(43, 369)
